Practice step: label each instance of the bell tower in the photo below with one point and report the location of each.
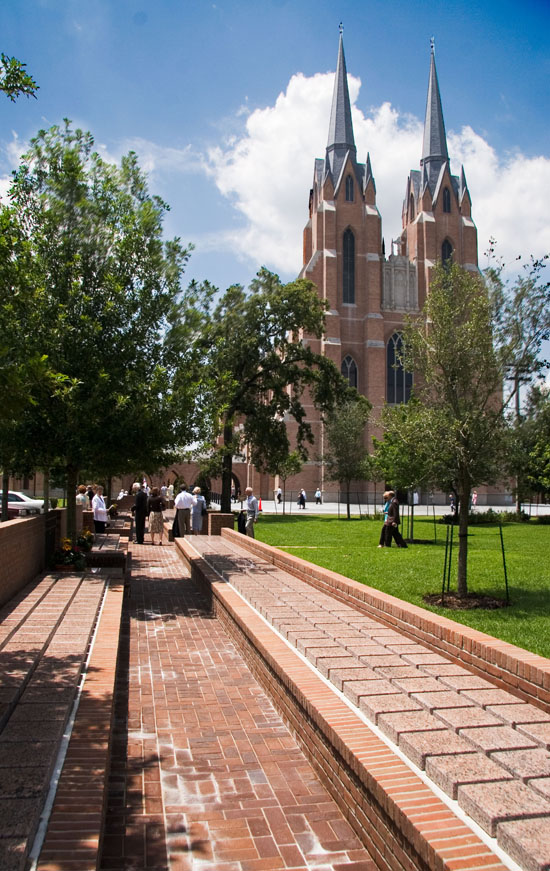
(437, 210)
(343, 249)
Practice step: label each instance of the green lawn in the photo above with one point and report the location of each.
(350, 548)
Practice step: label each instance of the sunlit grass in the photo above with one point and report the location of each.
(350, 548)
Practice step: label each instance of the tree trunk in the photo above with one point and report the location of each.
(463, 504)
(72, 479)
(108, 488)
(227, 469)
(5, 495)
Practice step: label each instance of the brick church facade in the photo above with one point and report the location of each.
(368, 291)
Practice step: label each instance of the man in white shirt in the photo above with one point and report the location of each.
(252, 511)
(183, 504)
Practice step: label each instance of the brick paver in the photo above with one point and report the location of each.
(44, 637)
(204, 772)
(459, 727)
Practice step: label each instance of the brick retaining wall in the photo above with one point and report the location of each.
(523, 673)
(22, 548)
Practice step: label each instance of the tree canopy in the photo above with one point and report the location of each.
(347, 458)
(103, 282)
(14, 79)
(255, 369)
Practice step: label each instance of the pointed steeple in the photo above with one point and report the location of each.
(340, 133)
(434, 149)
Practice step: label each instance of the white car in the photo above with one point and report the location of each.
(20, 504)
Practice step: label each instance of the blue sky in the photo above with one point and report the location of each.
(227, 105)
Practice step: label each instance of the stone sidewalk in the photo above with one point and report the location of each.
(205, 775)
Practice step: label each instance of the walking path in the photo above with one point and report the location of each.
(44, 638)
(204, 772)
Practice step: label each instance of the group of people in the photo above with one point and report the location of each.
(190, 510)
(90, 497)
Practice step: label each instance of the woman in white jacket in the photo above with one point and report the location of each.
(100, 511)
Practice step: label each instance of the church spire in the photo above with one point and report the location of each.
(434, 149)
(340, 133)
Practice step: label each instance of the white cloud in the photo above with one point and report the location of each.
(267, 171)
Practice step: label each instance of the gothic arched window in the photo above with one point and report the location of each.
(446, 252)
(348, 274)
(446, 200)
(411, 208)
(349, 189)
(349, 370)
(399, 381)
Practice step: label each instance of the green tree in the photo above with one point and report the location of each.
(536, 440)
(520, 326)
(14, 79)
(255, 369)
(286, 467)
(404, 455)
(458, 378)
(106, 281)
(347, 458)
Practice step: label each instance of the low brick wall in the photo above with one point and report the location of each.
(523, 673)
(400, 821)
(22, 545)
(218, 521)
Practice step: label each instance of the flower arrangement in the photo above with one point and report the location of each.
(67, 555)
(84, 541)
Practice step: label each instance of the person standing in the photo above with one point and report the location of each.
(302, 499)
(387, 497)
(139, 510)
(318, 496)
(100, 511)
(392, 523)
(183, 504)
(155, 507)
(279, 495)
(198, 511)
(82, 497)
(252, 511)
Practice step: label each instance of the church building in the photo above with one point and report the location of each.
(368, 291)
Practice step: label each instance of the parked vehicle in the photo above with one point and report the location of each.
(21, 505)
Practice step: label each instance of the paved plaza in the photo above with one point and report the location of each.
(201, 772)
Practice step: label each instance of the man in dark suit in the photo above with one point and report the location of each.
(139, 511)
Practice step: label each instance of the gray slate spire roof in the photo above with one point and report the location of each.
(340, 133)
(434, 149)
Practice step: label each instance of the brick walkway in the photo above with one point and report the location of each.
(44, 637)
(204, 772)
(481, 745)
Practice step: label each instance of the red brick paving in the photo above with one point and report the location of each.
(204, 772)
(44, 636)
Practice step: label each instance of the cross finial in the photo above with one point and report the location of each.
(432, 44)
(341, 28)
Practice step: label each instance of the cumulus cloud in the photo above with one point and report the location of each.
(267, 171)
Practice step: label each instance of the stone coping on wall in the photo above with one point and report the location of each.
(525, 674)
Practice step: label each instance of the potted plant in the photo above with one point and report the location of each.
(68, 558)
(85, 541)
